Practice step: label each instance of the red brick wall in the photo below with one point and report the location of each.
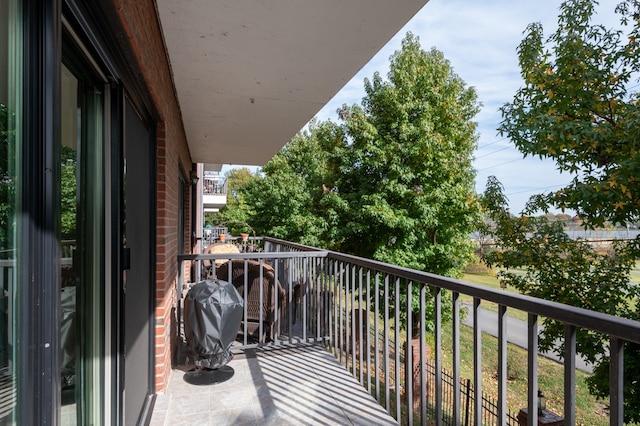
(141, 26)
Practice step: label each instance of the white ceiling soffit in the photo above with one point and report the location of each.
(249, 74)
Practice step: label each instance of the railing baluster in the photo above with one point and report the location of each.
(368, 328)
(351, 313)
(396, 325)
(569, 374)
(338, 320)
(456, 358)
(408, 355)
(532, 367)
(245, 292)
(502, 364)
(360, 327)
(376, 348)
(616, 381)
(276, 306)
(319, 285)
(304, 284)
(477, 361)
(387, 399)
(289, 313)
(423, 353)
(331, 310)
(438, 352)
(324, 300)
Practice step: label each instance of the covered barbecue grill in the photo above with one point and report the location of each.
(212, 316)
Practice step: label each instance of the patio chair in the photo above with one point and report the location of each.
(207, 265)
(272, 291)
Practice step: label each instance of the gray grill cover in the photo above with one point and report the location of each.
(213, 312)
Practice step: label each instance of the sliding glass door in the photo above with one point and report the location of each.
(76, 184)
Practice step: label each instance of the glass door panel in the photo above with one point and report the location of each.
(10, 142)
(82, 240)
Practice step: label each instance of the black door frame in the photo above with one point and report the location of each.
(37, 268)
(97, 23)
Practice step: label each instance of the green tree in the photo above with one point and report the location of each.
(7, 178)
(392, 182)
(407, 175)
(236, 211)
(68, 170)
(291, 200)
(578, 108)
(560, 269)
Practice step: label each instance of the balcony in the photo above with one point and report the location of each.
(343, 320)
(214, 191)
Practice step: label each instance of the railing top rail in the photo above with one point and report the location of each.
(611, 325)
(256, 255)
(296, 246)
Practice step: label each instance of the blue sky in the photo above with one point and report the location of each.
(480, 39)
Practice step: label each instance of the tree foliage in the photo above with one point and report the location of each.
(7, 178)
(560, 269)
(407, 175)
(236, 210)
(68, 197)
(289, 201)
(393, 181)
(8, 201)
(572, 272)
(578, 108)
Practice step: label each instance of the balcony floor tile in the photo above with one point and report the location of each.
(284, 385)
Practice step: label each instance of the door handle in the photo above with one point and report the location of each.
(126, 258)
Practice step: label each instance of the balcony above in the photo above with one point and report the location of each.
(214, 191)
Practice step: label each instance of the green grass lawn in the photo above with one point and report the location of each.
(589, 411)
(635, 274)
(490, 281)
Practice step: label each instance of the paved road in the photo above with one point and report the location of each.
(516, 332)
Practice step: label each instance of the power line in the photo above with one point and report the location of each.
(538, 189)
(498, 165)
(492, 152)
(492, 143)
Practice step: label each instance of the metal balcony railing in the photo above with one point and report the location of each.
(214, 185)
(361, 311)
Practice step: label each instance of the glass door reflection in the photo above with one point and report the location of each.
(82, 248)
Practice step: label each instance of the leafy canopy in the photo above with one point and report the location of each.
(236, 211)
(292, 200)
(407, 176)
(7, 178)
(393, 181)
(559, 268)
(579, 108)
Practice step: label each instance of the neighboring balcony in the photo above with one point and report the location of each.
(214, 191)
(327, 320)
